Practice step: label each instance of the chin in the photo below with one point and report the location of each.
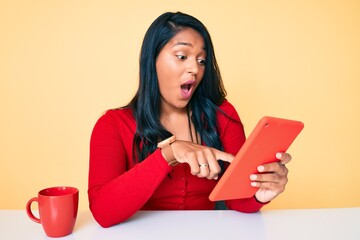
(182, 104)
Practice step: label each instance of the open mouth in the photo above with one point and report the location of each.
(187, 88)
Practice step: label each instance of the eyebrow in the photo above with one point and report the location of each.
(185, 44)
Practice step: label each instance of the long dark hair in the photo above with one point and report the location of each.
(146, 103)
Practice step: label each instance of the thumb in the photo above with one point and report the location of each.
(283, 157)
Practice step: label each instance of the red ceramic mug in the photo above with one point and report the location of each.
(58, 208)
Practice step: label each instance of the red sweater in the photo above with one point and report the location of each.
(118, 188)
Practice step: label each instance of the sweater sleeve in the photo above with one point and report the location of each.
(233, 137)
(116, 192)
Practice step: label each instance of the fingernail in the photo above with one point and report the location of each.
(261, 168)
(278, 155)
(253, 177)
(253, 184)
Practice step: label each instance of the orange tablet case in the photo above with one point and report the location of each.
(271, 135)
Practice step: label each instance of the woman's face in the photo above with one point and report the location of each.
(180, 68)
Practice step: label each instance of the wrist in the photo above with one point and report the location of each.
(168, 155)
(166, 150)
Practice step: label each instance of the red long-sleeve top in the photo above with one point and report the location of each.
(118, 188)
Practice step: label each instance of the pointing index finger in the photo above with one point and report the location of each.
(227, 157)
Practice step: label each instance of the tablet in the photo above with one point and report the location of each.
(271, 135)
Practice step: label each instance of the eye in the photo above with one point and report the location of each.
(202, 62)
(181, 57)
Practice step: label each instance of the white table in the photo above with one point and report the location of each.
(341, 223)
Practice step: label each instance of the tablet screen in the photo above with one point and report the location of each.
(271, 135)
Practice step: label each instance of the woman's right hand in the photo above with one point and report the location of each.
(203, 160)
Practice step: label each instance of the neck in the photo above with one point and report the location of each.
(179, 124)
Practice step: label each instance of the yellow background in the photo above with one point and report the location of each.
(63, 63)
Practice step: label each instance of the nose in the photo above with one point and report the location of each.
(193, 67)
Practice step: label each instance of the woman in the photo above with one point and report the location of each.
(168, 147)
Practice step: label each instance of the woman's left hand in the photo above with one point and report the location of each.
(271, 179)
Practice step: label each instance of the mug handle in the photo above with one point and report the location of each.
(29, 212)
